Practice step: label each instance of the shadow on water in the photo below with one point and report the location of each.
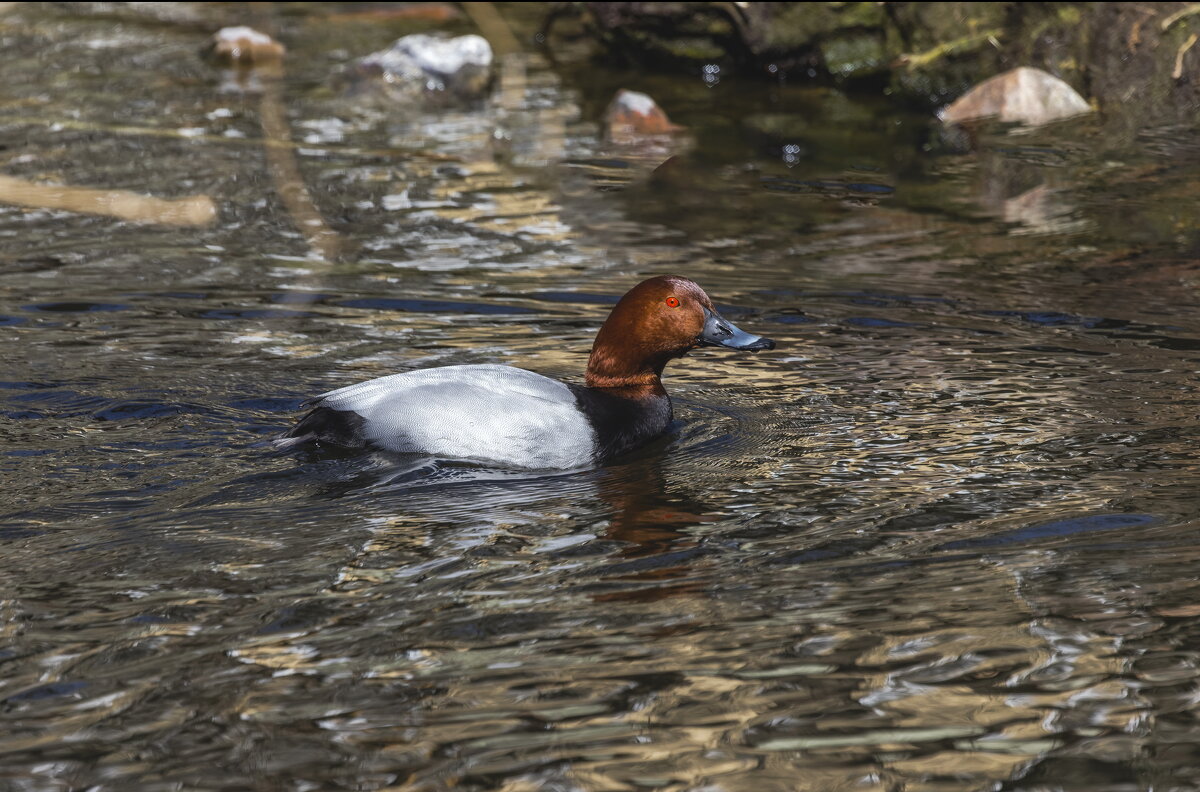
(941, 538)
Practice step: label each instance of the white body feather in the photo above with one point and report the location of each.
(486, 413)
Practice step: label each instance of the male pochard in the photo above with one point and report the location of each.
(514, 418)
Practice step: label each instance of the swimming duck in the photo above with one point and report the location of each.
(506, 416)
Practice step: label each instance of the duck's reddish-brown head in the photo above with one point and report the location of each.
(657, 320)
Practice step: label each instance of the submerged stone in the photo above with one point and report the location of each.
(1023, 95)
(430, 65)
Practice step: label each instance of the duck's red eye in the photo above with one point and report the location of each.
(673, 302)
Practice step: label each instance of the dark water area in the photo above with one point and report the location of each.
(941, 538)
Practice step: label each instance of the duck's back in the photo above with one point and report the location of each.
(489, 413)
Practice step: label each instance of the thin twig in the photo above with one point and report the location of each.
(921, 59)
(194, 210)
(126, 129)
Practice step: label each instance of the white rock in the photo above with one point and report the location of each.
(241, 33)
(432, 64)
(445, 56)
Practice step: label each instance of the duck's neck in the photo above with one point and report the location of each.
(607, 370)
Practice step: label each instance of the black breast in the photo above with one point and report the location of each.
(622, 422)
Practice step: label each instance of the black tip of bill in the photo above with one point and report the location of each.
(719, 331)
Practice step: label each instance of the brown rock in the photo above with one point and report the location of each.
(631, 115)
(243, 46)
(1022, 95)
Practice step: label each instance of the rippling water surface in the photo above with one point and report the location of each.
(940, 539)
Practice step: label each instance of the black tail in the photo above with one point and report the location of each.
(328, 427)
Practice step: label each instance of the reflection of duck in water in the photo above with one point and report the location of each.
(512, 417)
(654, 521)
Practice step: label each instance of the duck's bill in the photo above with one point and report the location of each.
(719, 331)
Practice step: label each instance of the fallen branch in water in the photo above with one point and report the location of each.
(919, 60)
(195, 210)
(285, 171)
(1193, 8)
(127, 129)
(1187, 45)
(249, 53)
(492, 27)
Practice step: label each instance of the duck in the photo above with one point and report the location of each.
(509, 417)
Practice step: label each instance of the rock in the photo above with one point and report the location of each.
(631, 115)
(1023, 95)
(429, 66)
(243, 46)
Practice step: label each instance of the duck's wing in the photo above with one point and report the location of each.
(487, 413)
